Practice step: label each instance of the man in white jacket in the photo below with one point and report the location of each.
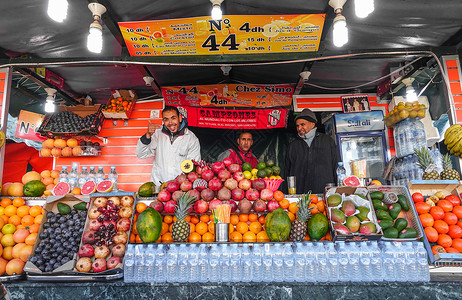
(170, 144)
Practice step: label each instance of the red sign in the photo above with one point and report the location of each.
(28, 124)
(235, 119)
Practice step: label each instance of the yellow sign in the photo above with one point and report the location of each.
(231, 35)
(2, 138)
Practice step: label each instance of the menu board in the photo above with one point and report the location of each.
(240, 34)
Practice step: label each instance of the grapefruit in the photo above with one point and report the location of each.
(5, 187)
(15, 189)
(60, 143)
(29, 176)
(88, 188)
(15, 266)
(61, 189)
(48, 143)
(72, 142)
(351, 181)
(104, 186)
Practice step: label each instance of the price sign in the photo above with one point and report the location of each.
(28, 124)
(231, 35)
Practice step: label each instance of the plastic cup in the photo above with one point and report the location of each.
(291, 185)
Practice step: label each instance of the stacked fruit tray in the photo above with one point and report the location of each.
(403, 111)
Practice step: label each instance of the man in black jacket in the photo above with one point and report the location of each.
(312, 157)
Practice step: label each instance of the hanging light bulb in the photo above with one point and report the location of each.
(340, 31)
(57, 10)
(363, 8)
(216, 9)
(95, 36)
(411, 95)
(49, 102)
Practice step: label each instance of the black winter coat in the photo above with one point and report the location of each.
(313, 166)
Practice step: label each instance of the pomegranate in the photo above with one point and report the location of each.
(121, 237)
(232, 204)
(89, 237)
(113, 262)
(83, 264)
(245, 206)
(186, 186)
(231, 183)
(195, 194)
(218, 166)
(173, 186)
(266, 194)
(169, 206)
(157, 205)
(176, 195)
(224, 194)
(237, 194)
(227, 161)
(192, 176)
(214, 203)
(201, 206)
(102, 251)
(223, 175)
(124, 224)
(207, 195)
(106, 223)
(252, 194)
(86, 250)
(244, 184)
(118, 250)
(207, 175)
(272, 205)
(181, 178)
(199, 170)
(215, 184)
(259, 206)
(238, 176)
(99, 265)
(235, 168)
(94, 224)
(259, 184)
(200, 184)
(164, 196)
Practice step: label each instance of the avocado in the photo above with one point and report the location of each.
(390, 233)
(63, 208)
(408, 233)
(400, 224)
(402, 200)
(385, 224)
(80, 206)
(383, 215)
(361, 196)
(379, 205)
(394, 210)
(377, 195)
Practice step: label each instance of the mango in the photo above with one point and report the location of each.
(353, 223)
(337, 216)
(348, 208)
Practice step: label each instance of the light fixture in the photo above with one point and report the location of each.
(411, 96)
(340, 32)
(225, 69)
(95, 38)
(363, 8)
(216, 9)
(49, 103)
(57, 10)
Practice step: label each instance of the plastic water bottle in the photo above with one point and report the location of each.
(100, 176)
(183, 258)
(149, 262)
(203, 263)
(73, 178)
(421, 136)
(423, 272)
(365, 262)
(376, 261)
(410, 261)
(396, 139)
(400, 263)
(257, 263)
(246, 263)
(160, 265)
(214, 264)
(63, 175)
(172, 263)
(278, 262)
(112, 176)
(310, 262)
(341, 173)
(321, 262)
(300, 262)
(289, 263)
(92, 174)
(129, 263)
(267, 263)
(402, 137)
(332, 262)
(83, 176)
(235, 263)
(225, 263)
(343, 263)
(388, 262)
(139, 263)
(193, 263)
(353, 260)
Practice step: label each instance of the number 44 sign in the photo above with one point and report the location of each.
(28, 124)
(231, 35)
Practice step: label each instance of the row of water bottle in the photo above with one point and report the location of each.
(406, 168)
(409, 134)
(298, 262)
(76, 179)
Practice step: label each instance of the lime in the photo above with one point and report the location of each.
(276, 170)
(269, 172)
(270, 163)
(261, 174)
(247, 174)
(8, 228)
(246, 167)
(254, 172)
(261, 165)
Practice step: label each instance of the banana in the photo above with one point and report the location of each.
(456, 140)
(456, 146)
(450, 129)
(453, 137)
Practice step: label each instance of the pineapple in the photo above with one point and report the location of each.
(448, 172)
(298, 229)
(426, 164)
(181, 228)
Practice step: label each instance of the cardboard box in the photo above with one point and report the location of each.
(344, 191)
(52, 205)
(125, 94)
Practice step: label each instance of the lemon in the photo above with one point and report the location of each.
(272, 177)
(2, 210)
(254, 172)
(404, 114)
(7, 240)
(421, 114)
(247, 174)
(270, 30)
(8, 228)
(413, 114)
(278, 177)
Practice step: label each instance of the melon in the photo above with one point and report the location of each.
(29, 176)
(149, 225)
(104, 186)
(277, 225)
(146, 189)
(88, 188)
(61, 189)
(351, 181)
(317, 226)
(34, 188)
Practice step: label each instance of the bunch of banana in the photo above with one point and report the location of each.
(453, 139)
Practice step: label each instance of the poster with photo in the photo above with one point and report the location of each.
(355, 103)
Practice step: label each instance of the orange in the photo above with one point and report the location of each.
(451, 250)
(243, 217)
(438, 249)
(255, 227)
(140, 207)
(291, 216)
(10, 210)
(437, 213)
(261, 219)
(54, 173)
(188, 218)
(175, 219)
(132, 238)
(441, 226)
(164, 229)
(321, 206)
(249, 237)
(205, 218)
(48, 181)
(262, 237)
(315, 209)
(138, 240)
(242, 227)
(253, 217)
(432, 234)
(22, 211)
(195, 220)
(29, 220)
(30, 239)
(235, 237)
(195, 238)
(15, 220)
(4, 218)
(457, 243)
(167, 238)
(168, 219)
(208, 237)
(45, 174)
(422, 207)
(307, 238)
(211, 227)
(192, 228)
(234, 219)
(38, 219)
(455, 232)
(284, 204)
(293, 208)
(444, 240)
(231, 228)
(201, 228)
(5, 202)
(278, 195)
(17, 202)
(170, 227)
(314, 198)
(34, 228)
(426, 219)
(450, 218)
(76, 191)
(457, 211)
(328, 237)
(134, 231)
(446, 205)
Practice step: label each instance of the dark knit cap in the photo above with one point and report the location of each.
(308, 115)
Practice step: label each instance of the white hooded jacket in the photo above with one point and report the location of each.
(168, 155)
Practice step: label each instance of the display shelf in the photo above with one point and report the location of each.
(77, 151)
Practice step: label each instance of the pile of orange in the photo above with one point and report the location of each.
(50, 178)
(19, 225)
(118, 105)
(60, 147)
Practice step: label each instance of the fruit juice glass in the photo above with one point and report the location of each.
(291, 184)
